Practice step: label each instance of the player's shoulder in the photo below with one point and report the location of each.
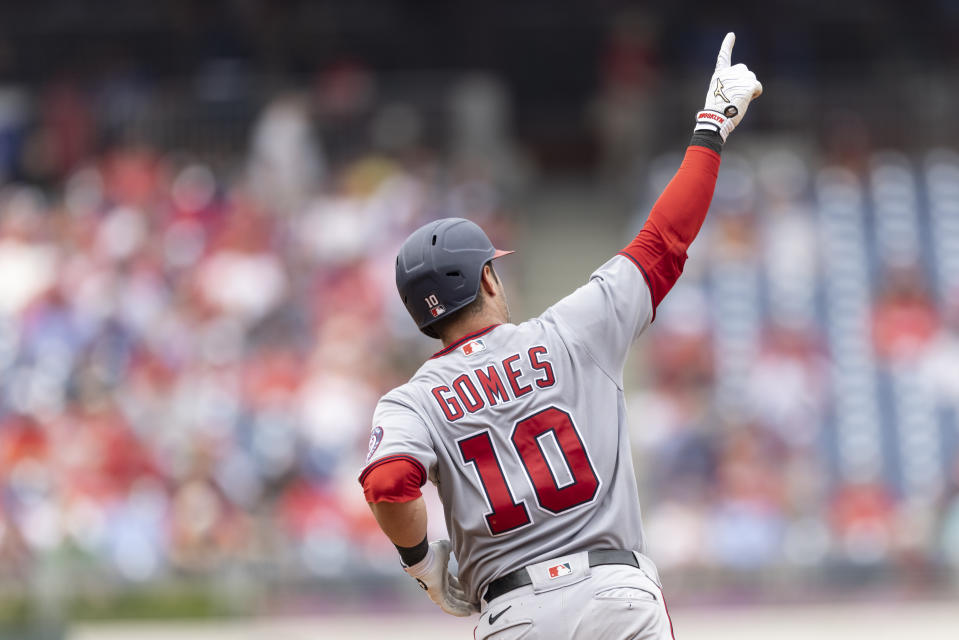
(401, 398)
(618, 279)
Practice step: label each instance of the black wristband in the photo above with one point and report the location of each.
(708, 139)
(412, 555)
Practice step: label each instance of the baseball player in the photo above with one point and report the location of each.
(522, 428)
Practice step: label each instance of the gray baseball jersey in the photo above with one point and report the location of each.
(523, 430)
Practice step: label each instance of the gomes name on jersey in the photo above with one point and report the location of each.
(493, 383)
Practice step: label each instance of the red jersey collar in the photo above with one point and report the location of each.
(467, 337)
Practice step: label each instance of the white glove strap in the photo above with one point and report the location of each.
(708, 120)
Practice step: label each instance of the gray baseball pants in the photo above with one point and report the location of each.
(579, 602)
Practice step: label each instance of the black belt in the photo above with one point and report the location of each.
(520, 577)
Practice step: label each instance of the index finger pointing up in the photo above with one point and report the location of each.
(726, 51)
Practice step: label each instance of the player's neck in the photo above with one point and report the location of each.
(458, 331)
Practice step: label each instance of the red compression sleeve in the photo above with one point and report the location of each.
(393, 480)
(659, 250)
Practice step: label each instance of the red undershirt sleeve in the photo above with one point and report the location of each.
(396, 479)
(659, 250)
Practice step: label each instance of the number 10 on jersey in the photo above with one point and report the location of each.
(528, 439)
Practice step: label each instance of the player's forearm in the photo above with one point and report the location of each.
(392, 489)
(681, 209)
(659, 250)
(404, 523)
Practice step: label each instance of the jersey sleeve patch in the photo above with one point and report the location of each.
(397, 429)
(376, 437)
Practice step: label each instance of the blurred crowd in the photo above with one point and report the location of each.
(801, 404)
(190, 353)
(197, 308)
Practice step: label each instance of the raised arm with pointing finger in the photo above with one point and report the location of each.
(523, 427)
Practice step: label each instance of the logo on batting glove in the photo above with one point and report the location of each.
(718, 93)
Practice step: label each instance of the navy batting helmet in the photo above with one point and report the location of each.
(439, 267)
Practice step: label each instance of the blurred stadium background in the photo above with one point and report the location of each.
(200, 204)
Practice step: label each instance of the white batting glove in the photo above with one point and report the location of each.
(730, 91)
(443, 588)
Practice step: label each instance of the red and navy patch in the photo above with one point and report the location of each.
(473, 346)
(559, 571)
(376, 437)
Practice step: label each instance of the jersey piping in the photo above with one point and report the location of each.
(408, 458)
